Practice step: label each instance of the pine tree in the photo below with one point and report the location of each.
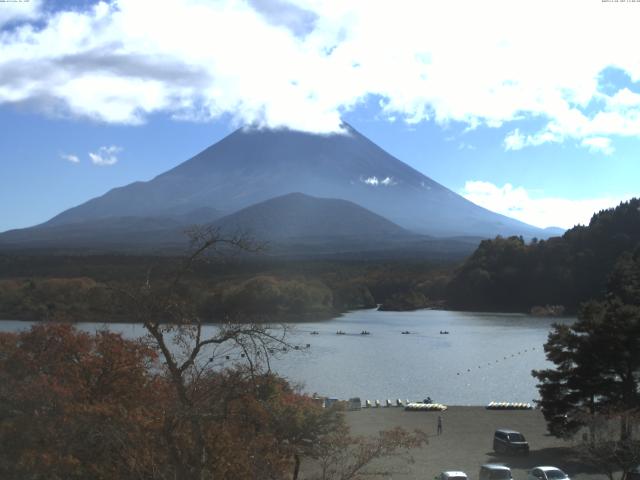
(597, 359)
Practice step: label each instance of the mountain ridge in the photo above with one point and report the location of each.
(249, 166)
(294, 225)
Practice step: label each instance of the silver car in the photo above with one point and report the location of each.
(495, 471)
(452, 475)
(547, 473)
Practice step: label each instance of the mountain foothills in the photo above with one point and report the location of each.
(249, 176)
(341, 225)
(510, 275)
(504, 274)
(296, 216)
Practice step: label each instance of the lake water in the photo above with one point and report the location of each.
(485, 357)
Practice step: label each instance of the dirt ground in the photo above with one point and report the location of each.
(466, 442)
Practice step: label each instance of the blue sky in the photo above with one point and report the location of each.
(542, 126)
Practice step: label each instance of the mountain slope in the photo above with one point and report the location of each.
(113, 232)
(251, 166)
(293, 225)
(294, 218)
(299, 216)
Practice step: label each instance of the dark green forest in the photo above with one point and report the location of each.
(508, 274)
(80, 288)
(503, 274)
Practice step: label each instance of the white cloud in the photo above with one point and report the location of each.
(370, 181)
(466, 146)
(517, 141)
(625, 98)
(516, 202)
(302, 63)
(514, 140)
(598, 145)
(70, 157)
(387, 181)
(105, 156)
(620, 116)
(17, 11)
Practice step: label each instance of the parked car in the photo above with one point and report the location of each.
(495, 471)
(633, 474)
(510, 441)
(354, 404)
(547, 473)
(452, 475)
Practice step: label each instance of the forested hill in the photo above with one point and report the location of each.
(508, 274)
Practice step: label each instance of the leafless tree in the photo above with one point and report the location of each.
(341, 456)
(188, 349)
(610, 442)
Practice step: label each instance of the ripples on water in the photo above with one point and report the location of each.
(485, 357)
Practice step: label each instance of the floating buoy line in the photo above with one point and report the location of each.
(492, 363)
(443, 332)
(229, 356)
(405, 332)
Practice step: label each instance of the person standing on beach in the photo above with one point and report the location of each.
(439, 425)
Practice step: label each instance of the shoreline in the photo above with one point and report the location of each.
(302, 318)
(289, 318)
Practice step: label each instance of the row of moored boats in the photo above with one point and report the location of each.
(509, 406)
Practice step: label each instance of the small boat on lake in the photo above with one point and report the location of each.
(365, 332)
(340, 332)
(444, 332)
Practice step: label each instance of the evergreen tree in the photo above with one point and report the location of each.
(597, 358)
(507, 274)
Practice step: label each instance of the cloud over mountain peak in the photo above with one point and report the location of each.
(301, 64)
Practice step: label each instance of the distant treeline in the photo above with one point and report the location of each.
(508, 274)
(504, 274)
(84, 288)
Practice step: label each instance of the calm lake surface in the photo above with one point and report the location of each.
(485, 357)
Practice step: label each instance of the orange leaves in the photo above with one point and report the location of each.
(73, 404)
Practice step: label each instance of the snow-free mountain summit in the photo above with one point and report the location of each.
(251, 166)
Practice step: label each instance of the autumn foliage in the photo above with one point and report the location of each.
(76, 405)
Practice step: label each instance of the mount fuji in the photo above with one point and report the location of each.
(251, 166)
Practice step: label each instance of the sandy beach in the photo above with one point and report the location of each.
(466, 442)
